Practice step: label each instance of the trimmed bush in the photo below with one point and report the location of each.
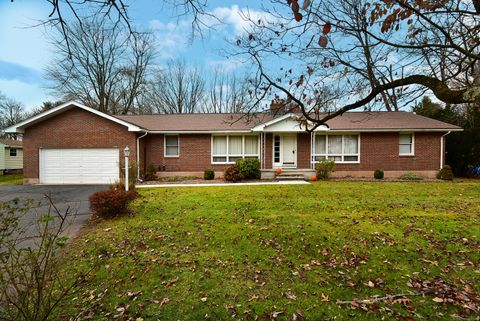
(150, 173)
(111, 203)
(249, 168)
(232, 174)
(324, 168)
(445, 173)
(209, 174)
(378, 174)
(411, 177)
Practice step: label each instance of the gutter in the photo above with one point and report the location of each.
(138, 153)
(442, 148)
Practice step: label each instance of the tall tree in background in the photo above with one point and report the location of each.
(177, 89)
(462, 148)
(373, 55)
(11, 112)
(226, 94)
(104, 66)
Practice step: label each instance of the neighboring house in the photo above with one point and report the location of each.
(75, 144)
(11, 155)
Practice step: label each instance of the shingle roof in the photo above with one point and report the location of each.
(11, 142)
(197, 122)
(241, 122)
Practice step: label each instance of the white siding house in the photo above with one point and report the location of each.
(11, 155)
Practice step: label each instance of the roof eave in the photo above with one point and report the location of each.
(20, 127)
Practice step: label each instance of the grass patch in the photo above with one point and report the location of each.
(272, 252)
(11, 179)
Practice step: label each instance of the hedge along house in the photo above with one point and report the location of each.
(75, 144)
(11, 156)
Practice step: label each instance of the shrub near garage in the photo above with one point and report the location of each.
(445, 173)
(378, 174)
(111, 203)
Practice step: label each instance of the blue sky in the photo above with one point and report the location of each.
(25, 50)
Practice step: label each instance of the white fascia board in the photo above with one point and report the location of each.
(19, 128)
(388, 130)
(247, 131)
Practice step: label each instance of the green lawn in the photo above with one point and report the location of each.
(11, 179)
(283, 252)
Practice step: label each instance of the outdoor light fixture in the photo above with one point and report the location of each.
(126, 152)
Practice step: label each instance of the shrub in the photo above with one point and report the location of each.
(445, 173)
(111, 203)
(232, 174)
(411, 177)
(209, 174)
(150, 173)
(324, 168)
(249, 168)
(378, 174)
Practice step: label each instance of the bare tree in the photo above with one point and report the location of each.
(226, 94)
(105, 67)
(369, 55)
(177, 89)
(11, 112)
(66, 13)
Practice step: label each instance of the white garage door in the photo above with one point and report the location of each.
(79, 166)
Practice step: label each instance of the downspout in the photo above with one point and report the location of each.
(442, 148)
(138, 153)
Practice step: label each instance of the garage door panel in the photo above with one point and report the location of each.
(79, 166)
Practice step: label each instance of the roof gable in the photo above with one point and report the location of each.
(20, 127)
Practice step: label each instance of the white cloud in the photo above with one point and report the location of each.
(240, 18)
(225, 65)
(171, 38)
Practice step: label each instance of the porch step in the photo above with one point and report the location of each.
(290, 177)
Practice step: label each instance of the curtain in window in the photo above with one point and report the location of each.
(251, 145)
(334, 145)
(219, 145)
(405, 146)
(350, 144)
(171, 144)
(320, 145)
(235, 145)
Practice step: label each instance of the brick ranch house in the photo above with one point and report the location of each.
(75, 144)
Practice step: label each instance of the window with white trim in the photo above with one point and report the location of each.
(229, 149)
(13, 152)
(405, 146)
(339, 148)
(172, 146)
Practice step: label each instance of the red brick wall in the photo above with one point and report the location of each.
(380, 151)
(194, 155)
(303, 150)
(74, 128)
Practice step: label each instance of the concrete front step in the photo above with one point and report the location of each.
(289, 176)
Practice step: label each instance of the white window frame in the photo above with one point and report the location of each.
(10, 152)
(412, 144)
(227, 155)
(165, 146)
(342, 155)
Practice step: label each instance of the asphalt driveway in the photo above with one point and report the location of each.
(74, 198)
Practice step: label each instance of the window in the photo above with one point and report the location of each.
(405, 146)
(172, 148)
(276, 149)
(13, 152)
(229, 149)
(339, 148)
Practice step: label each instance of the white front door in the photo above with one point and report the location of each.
(288, 150)
(79, 166)
(284, 151)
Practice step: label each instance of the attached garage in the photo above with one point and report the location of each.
(75, 144)
(79, 166)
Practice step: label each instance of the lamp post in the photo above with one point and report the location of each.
(126, 152)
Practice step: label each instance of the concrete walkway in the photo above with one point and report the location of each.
(226, 184)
